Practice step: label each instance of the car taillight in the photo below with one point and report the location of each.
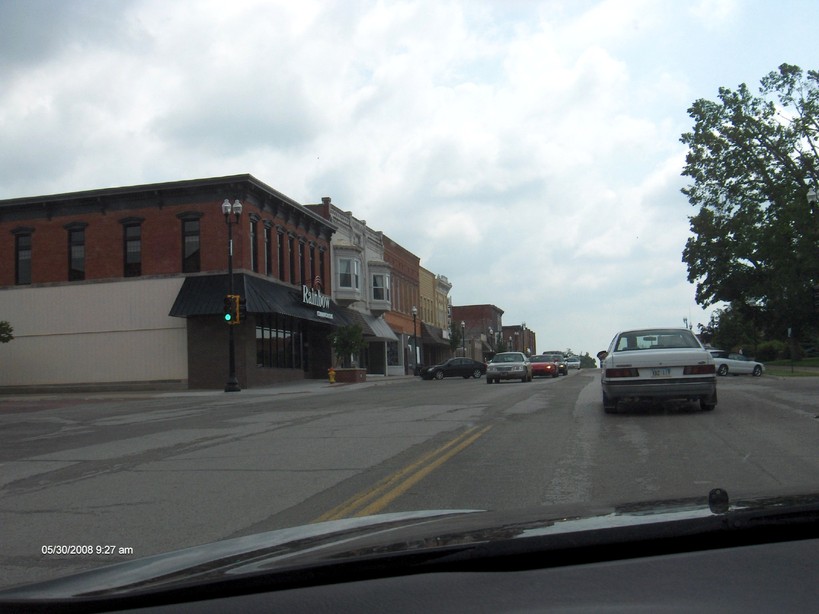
(700, 370)
(622, 373)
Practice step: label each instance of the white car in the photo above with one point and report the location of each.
(572, 362)
(735, 364)
(657, 364)
(509, 365)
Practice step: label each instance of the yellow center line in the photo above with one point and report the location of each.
(374, 500)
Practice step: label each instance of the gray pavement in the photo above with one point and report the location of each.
(306, 386)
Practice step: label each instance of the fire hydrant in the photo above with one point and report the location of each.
(332, 373)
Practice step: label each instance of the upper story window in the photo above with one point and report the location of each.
(22, 256)
(76, 251)
(291, 255)
(312, 264)
(321, 268)
(191, 248)
(268, 250)
(349, 270)
(381, 287)
(280, 244)
(302, 271)
(254, 250)
(132, 247)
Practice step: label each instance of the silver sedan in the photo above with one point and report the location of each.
(509, 365)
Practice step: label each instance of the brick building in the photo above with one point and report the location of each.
(482, 330)
(404, 267)
(520, 338)
(127, 285)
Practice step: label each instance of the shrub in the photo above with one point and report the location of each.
(771, 350)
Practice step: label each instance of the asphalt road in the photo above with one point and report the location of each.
(132, 475)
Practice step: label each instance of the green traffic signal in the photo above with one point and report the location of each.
(229, 309)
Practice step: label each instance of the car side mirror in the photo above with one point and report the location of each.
(601, 355)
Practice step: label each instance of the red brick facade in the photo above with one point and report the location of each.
(159, 211)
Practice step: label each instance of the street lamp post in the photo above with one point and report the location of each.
(414, 341)
(232, 384)
(463, 338)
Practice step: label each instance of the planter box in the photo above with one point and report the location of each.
(351, 376)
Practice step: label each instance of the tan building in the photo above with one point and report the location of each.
(434, 314)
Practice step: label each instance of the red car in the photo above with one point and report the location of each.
(543, 365)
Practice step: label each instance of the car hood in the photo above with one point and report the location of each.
(424, 535)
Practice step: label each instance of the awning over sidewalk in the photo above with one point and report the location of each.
(374, 328)
(203, 295)
(433, 334)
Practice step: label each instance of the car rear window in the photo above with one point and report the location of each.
(655, 339)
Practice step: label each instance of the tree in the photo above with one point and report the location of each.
(455, 336)
(752, 160)
(5, 332)
(346, 341)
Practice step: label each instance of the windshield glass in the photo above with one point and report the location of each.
(270, 264)
(655, 339)
(508, 358)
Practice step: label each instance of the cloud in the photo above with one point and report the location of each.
(529, 151)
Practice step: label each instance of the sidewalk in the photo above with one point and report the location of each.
(302, 387)
(306, 386)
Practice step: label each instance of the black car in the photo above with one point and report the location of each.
(455, 367)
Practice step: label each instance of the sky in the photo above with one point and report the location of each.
(528, 151)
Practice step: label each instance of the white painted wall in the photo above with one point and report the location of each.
(95, 332)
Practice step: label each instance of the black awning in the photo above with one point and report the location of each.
(203, 295)
(433, 334)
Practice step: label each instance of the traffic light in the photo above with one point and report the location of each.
(231, 308)
(242, 308)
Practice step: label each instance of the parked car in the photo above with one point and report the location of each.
(572, 362)
(735, 364)
(509, 365)
(657, 364)
(543, 365)
(455, 367)
(560, 362)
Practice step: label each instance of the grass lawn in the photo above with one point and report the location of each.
(807, 367)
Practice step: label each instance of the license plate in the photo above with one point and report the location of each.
(661, 373)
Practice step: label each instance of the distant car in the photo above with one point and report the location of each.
(573, 362)
(657, 364)
(509, 365)
(736, 364)
(543, 365)
(560, 362)
(455, 367)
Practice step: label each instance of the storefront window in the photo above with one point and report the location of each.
(393, 354)
(279, 342)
